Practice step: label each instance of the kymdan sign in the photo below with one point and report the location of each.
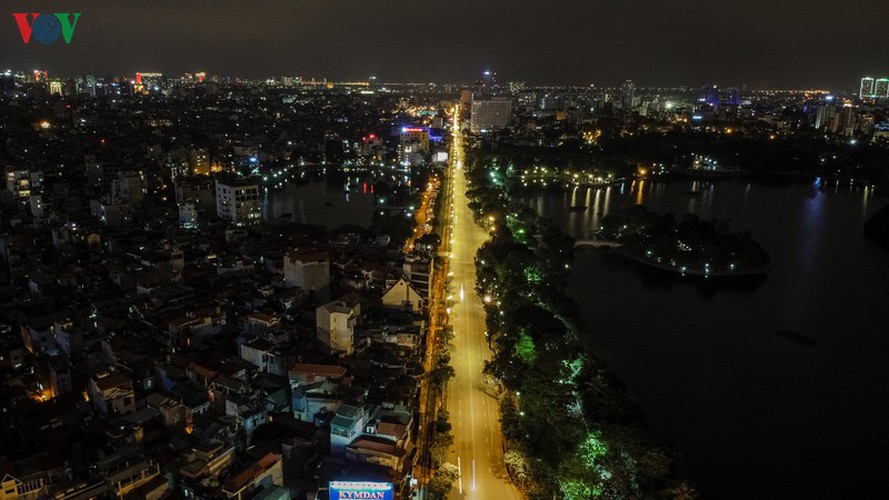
(360, 490)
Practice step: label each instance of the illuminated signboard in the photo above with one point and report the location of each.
(436, 134)
(413, 130)
(363, 490)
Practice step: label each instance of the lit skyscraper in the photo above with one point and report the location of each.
(490, 114)
(489, 79)
(91, 85)
(825, 114)
(881, 89)
(867, 87)
(628, 94)
(709, 96)
(485, 87)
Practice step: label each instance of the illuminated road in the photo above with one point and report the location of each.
(423, 214)
(474, 414)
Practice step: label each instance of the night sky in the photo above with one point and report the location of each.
(776, 43)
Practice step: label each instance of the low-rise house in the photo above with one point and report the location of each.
(310, 271)
(315, 390)
(336, 323)
(266, 356)
(196, 402)
(307, 373)
(127, 470)
(112, 393)
(377, 450)
(204, 464)
(346, 426)
(173, 413)
(32, 477)
(262, 473)
(260, 322)
(404, 297)
(418, 269)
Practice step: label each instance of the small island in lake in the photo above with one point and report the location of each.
(690, 246)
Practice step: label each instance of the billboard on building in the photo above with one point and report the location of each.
(362, 490)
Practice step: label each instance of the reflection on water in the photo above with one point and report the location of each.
(321, 200)
(701, 198)
(640, 189)
(743, 405)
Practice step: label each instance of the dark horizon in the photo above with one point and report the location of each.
(822, 44)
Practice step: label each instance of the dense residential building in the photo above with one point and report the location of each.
(336, 322)
(402, 295)
(112, 393)
(308, 270)
(419, 270)
(18, 182)
(160, 337)
(264, 472)
(238, 201)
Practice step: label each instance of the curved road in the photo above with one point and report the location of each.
(474, 415)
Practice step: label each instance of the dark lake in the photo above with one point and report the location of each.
(314, 198)
(755, 413)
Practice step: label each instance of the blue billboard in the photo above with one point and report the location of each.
(363, 490)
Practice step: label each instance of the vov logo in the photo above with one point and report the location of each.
(46, 28)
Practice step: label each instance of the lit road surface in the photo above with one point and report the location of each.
(474, 414)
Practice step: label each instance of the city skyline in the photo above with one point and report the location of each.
(443, 251)
(287, 80)
(578, 43)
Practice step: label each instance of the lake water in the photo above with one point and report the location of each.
(754, 414)
(315, 199)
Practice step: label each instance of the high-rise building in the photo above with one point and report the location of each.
(709, 96)
(824, 116)
(419, 135)
(413, 147)
(7, 82)
(867, 87)
(129, 186)
(18, 181)
(628, 94)
(866, 123)
(731, 97)
(516, 87)
(237, 200)
(486, 86)
(87, 85)
(148, 82)
(490, 114)
(846, 121)
(199, 161)
(466, 97)
(489, 79)
(881, 89)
